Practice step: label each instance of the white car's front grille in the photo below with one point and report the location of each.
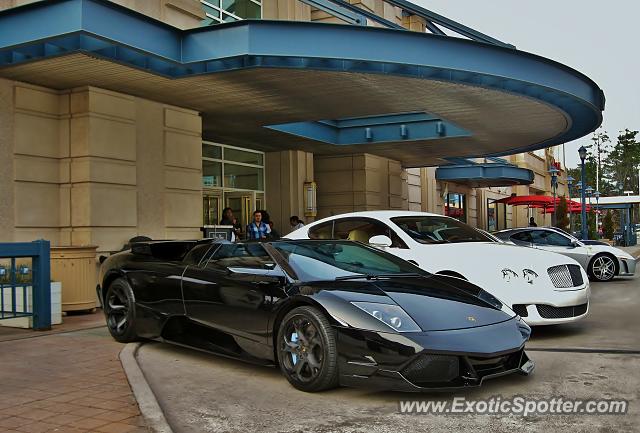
(565, 276)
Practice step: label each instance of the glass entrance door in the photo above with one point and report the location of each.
(242, 203)
(211, 208)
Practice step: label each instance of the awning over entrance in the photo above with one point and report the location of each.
(274, 85)
(543, 202)
(497, 172)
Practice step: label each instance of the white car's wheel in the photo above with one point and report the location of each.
(602, 267)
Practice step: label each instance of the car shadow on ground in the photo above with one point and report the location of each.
(549, 332)
(270, 375)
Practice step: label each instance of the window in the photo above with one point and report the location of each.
(544, 237)
(319, 260)
(221, 11)
(522, 237)
(211, 174)
(243, 177)
(355, 229)
(231, 177)
(455, 206)
(248, 255)
(438, 229)
(322, 231)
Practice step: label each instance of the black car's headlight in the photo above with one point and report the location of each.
(391, 315)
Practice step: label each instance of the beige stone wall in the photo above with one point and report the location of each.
(295, 10)
(291, 10)
(287, 171)
(7, 204)
(40, 175)
(350, 183)
(89, 166)
(184, 14)
(413, 189)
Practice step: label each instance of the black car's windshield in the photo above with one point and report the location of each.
(436, 229)
(328, 260)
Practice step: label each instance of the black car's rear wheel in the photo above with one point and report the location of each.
(307, 351)
(120, 311)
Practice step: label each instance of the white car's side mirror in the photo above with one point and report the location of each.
(380, 241)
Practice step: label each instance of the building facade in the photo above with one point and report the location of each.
(100, 163)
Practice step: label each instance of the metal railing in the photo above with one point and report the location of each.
(19, 295)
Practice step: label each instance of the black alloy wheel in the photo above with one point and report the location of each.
(120, 311)
(307, 351)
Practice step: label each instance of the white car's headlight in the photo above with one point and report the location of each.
(391, 315)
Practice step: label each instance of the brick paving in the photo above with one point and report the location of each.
(69, 382)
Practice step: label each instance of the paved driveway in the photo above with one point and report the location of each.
(598, 358)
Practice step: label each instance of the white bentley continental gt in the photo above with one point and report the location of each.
(542, 287)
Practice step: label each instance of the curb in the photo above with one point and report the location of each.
(147, 402)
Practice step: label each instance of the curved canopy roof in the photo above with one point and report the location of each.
(325, 88)
(497, 172)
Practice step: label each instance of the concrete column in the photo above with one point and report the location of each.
(7, 199)
(103, 168)
(349, 183)
(287, 171)
(182, 173)
(40, 161)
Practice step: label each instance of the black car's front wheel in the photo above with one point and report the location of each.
(119, 309)
(307, 352)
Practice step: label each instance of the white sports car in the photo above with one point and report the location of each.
(542, 287)
(601, 261)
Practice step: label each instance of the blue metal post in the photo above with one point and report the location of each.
(583, 201)
(41, 287)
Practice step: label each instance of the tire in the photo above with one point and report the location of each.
(310, 365)
(119, 309)
(602, 267)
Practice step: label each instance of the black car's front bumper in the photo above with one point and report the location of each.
(441, 360)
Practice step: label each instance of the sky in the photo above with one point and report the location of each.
(597, 38)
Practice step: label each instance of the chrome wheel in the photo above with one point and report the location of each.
(301, 349)
(603, 268)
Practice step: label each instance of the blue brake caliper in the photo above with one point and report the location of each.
(294, 338)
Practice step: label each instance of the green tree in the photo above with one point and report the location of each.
(591, 224)
(562, 220)
(608, 226)
(621, 164)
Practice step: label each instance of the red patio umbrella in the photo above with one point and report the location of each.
(535, 201)
(528, 200)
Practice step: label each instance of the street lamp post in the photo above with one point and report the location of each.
(554, 186)
(583, 212)
(569, 184)
(597, 194)
(589, 192)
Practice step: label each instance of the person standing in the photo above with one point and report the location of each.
(258, 229)
(532, 222)
(295, 223)
(229, 220)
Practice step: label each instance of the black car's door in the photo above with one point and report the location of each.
(234, 292)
